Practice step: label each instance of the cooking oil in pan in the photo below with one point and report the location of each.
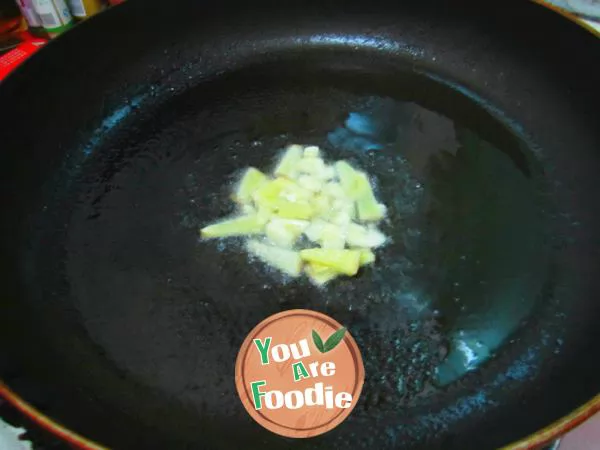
(466, 261)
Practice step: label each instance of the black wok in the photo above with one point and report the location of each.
(479, 120)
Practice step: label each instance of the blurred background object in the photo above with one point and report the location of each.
(584, 437)
(587, 10)
(82, 9)
(34, 22)
(10, 23)
(55, 16)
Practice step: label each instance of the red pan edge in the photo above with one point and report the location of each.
(531, 442)
(60, 431)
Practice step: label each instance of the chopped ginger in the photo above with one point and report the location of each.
(348, 179)
(366, 256)
(333, 205)
(368, 208)
(360, 236)
(294, 210)
(288, 165)
(250, 182)
(319, 274)
(285, 232)
(332, 236)
(239, 226)
(312, 151)
(343, 261)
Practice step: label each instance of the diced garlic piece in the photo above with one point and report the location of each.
(247, 208)
(343, 206)
(287, 261)
(360, 236)
(341, 218)
(348, 179)
(334, 190)
(285, 232)
(343, 261)
(312, 151)
(287, 166)
(264, 214)
(249, 183)
(310, 183)
(279, 236)
(333, 236)
(315, 230)
(328, 173)
(311, 166)
(322, 205)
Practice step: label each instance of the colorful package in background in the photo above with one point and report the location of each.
(55, 16)
(31, 17)
(82, 9)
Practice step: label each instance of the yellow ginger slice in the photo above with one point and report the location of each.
(239, 226)
(366, 256)
(348, 178)
(369, 209)
(250, 182)
(288, 164)
(343, 261)
(319, 274)
(271, 193)
(294, 210)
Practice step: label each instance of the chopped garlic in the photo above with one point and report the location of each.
(333, 236)
(287, 261)
(310, 183)
(360, 236)
(333, 205)
(250, 182)
(288, 164)
(285, 232)
(312, 151)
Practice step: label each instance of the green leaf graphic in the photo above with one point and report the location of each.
(318, 341)
(334, 340)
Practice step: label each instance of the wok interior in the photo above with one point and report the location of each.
(466, 263)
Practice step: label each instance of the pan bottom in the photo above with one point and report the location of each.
(165, 312)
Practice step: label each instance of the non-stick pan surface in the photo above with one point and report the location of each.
(479, 122)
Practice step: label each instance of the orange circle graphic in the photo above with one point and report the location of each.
(299, 373)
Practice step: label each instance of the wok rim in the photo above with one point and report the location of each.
(535, 440)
